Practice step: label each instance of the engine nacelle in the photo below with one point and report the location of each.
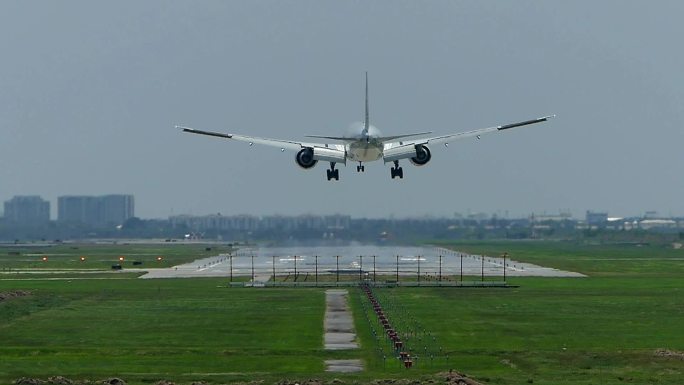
(305, 158)
(422, 155)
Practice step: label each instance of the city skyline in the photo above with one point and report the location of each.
(54, 211)
(86, 209)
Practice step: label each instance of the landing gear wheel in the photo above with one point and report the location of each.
(333, 173)
(397, 171)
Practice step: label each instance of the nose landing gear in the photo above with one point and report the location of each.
(360, 167)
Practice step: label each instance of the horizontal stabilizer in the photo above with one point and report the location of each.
(389, 138)
(382, 138)
(340, 138)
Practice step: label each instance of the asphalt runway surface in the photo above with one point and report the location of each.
(261, 263)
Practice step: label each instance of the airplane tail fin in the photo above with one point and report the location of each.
(366, 121)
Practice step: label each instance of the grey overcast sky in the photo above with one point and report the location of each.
(90, 91)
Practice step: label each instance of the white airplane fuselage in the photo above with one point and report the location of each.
(365, 147)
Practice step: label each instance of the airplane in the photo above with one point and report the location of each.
(366, 145)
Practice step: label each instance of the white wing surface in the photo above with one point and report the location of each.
(282, 144)
(463, 135)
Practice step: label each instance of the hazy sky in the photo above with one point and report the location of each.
(90, 91)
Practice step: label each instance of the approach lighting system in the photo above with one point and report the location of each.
(159, 259)
(83, 259)
(45, 259)
(121, 258)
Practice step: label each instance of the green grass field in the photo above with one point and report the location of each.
(154, 329)
(611, 260)
(102, 256)
(604, 329)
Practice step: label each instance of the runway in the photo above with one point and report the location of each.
(263, 263)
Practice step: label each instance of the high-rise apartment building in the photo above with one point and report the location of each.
(104, 210)
(27, 210)
(116, 209)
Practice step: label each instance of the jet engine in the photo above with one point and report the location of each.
(422, 155)
(305, 158)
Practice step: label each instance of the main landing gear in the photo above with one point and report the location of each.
(360, 167)
(333, 173)
(397, 171)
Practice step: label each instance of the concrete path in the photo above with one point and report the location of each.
(338, 324)
(343, 366)
(339, 331)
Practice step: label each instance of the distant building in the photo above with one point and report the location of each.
(107, 210)
(648, 224)
(77, 209)
(27, 210)
(478, 217)
(596, 219)
(651, 215)
(254, 223)
(560, 217)
(117, 209)
(215, 222)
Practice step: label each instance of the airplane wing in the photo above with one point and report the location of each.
(282, 144)
(466, 134)
(407, 149)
